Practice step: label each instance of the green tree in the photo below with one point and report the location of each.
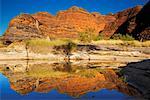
(69, 48)
(101, 36)
(87, 35)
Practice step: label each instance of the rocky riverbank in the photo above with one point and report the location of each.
(25, 65)
(83, 52)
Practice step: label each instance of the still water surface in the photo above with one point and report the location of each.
(61, 81)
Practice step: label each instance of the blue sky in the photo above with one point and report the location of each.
(11, 8)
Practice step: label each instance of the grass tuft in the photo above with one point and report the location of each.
(45, 42)
(45, 46)
(1, 44)
(134, 43)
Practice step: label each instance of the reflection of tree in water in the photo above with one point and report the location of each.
(64, 67)
(27, 65)
(67, 66)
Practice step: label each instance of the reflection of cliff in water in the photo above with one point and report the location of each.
(72, 78)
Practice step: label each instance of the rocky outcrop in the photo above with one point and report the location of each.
(133, 21)
(66, 24)
(22, 27)
(69, 23)
(105, 52)
(142, 29)
(138, 75)
(121, 18)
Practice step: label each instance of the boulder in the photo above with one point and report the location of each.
(138, 75)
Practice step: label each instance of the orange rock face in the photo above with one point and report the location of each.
(119, 20)
(66, 24)
(69, 23)
(133, 21)
(74, 85)
(23, 27)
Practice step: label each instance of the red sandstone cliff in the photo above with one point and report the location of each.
(133, 21)
(68, 24)
(120, 19)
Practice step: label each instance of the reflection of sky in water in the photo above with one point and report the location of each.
(8, 94)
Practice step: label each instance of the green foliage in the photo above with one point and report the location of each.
(122, 37)
(69, 47)
(101, 36)
(127, 37)
(116, 36)
(84, 37)
(121, 73)
(87, 36)
(88, 73)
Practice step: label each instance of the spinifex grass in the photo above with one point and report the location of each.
(121, 42)
(44, 46)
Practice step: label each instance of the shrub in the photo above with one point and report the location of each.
(122, 37)
(87, 35)
(88, 73)
(84, 37)
(101, 36)
(69, 47)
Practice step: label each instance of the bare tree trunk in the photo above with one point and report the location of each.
(27, 66)
(27, 56)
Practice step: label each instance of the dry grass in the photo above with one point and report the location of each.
(45, 42)
(88, 73)
(146, 44)
(44, 46)
(134, 43)
(108, 42)
(44, 70)
(45, 73)
(1, 44)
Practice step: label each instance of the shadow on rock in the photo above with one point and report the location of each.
(137, 74)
